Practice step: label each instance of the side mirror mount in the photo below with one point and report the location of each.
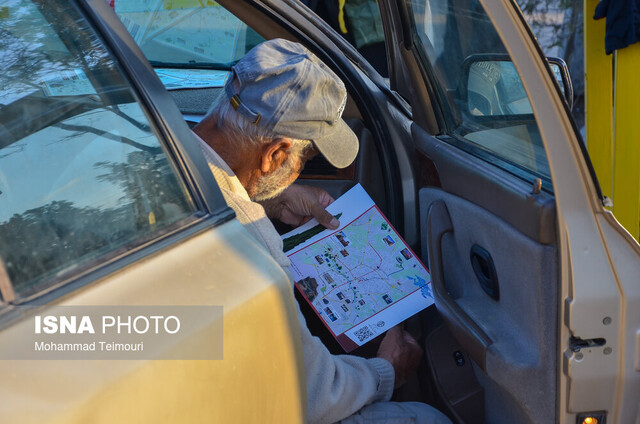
(490, 86)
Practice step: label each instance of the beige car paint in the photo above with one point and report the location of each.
(596, 282)
(260, 379)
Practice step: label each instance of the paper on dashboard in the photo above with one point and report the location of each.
(361, 279)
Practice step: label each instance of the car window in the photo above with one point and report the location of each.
(360, 23)
(484, 103)
(83, 176)
(190, 44)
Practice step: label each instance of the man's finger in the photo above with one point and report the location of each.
(325, 199)
(324, 217)
(410, 340)
(287, 217)
(394, 333)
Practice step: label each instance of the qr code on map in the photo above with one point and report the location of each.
(363, 334)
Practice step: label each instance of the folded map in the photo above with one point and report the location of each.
(361, 279)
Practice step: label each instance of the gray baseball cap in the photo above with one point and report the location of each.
(283, 87)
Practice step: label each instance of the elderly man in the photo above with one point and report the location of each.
(283, 106)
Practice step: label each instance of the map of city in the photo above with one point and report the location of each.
(355, 277)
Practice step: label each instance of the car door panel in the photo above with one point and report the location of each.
(512, 339)
(490, 187)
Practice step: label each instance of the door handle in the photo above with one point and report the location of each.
(473, 338)
(485, 270)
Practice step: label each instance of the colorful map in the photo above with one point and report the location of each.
(362, 279)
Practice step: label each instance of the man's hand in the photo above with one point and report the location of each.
(403, 351)
(298, 204)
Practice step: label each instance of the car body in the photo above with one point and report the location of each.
(551, 335)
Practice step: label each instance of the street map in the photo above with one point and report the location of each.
(361, 279)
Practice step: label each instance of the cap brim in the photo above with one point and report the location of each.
(340, 147)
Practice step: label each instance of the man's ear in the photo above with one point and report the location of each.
(274, 154)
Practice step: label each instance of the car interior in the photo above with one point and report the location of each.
(486, 232)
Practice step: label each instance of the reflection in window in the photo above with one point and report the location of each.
(82, 175)
(360, 23)
(187, 33)
(190, 44)
(483, 99)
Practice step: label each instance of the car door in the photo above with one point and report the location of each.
(534, 277)
(107, 206)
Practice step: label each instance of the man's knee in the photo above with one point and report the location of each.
(397, 413)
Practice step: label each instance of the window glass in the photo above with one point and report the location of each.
(83, 177)
(190, 43)
(360, 23)
(485, 104)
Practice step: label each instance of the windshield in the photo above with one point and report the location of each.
(186, 34)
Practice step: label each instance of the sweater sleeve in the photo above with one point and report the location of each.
(339, 385)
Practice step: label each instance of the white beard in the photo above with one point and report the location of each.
(272, 185)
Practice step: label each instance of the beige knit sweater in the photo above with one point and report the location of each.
(337, 385)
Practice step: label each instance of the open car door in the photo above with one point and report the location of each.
(536, 280)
